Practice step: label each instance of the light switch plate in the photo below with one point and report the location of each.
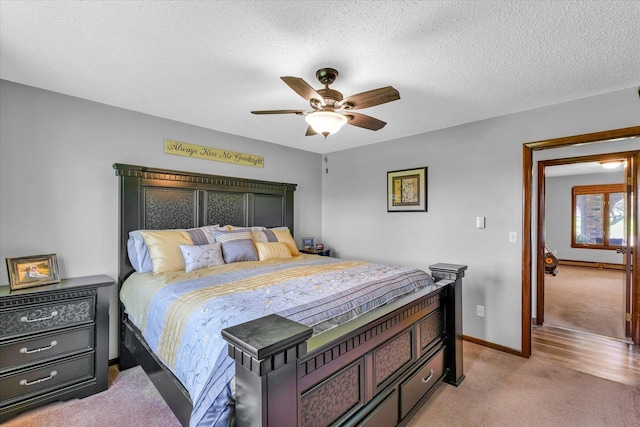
(479, 222)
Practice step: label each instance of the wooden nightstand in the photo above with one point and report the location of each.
(54, 343)
(321, 252)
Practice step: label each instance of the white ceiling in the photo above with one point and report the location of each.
(584, 168)
(209, 63)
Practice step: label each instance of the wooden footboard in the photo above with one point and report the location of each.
(373, 371)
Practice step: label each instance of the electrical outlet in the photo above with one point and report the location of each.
(513, 237)
(480, 310)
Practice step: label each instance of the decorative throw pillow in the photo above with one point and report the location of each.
(284, 236)
(263, 236)
(197, 257)
(278, 234)
(164, 249)
(237, 245)
(272, 250)
(252, 228)
(209, 229)
(139, 253)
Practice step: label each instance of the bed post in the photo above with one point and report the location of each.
(129, 196)
(266, 351)
(453, 320)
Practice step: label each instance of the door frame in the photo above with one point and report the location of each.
(527, 261)
(628, 157)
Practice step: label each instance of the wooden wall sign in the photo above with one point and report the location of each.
(209, 153)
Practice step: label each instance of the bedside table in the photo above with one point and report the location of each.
(54, 343)
(321, 252)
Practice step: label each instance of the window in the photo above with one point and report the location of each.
(598, 220)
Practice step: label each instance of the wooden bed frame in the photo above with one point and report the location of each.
(375, 370)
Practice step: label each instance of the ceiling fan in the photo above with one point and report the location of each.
(330, 110)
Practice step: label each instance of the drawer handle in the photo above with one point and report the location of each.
(24, 350)
(428, 377)
(39, 319)
(51, 375)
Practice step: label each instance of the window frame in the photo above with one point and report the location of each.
(605, 190)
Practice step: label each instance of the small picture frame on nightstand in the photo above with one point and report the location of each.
(30, 271)
(308, 242)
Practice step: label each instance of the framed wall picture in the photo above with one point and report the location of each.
(30, 271)
(407, 190)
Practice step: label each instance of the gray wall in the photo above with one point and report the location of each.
(59, 192)
(558, 216)
(474, 170)
(48, 139)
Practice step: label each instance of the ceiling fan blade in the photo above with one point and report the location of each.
(279, 112)
(303, 88)
(310, 132)
(364, 121)
(370, 98)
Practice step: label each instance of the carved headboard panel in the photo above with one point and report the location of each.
(159, 199)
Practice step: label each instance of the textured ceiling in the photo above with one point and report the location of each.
(210, 63)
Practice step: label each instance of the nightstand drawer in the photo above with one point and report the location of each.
(45, 347)
(43, 317)
(32, 382)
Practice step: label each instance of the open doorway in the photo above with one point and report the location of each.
(585, 216)
(533, 253)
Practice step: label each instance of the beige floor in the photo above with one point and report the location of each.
(586, 299)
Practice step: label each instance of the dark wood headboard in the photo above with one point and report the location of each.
(159, 199)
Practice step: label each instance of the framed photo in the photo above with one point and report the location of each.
(308, 242)
(407, 190)
(30, 271)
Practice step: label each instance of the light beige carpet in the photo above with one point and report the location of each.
(586, 299)
(131, 400)
(500, 389)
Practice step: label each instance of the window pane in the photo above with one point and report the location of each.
(578, 223)
(591, 220)
(616, 219)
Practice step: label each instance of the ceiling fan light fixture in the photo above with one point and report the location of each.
(322, 118)
(326, 122)
(611, 164)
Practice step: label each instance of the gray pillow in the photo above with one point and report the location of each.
(237, 245)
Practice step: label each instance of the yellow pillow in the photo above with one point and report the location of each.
(272, 250)
(284, 236)
(164, 249)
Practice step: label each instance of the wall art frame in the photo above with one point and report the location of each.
(308, 242)
(407, 190)
(31, 271)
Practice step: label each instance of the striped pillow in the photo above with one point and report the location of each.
(279, 234)
(250, 228)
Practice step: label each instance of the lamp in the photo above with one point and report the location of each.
(326, 122)
(611, 164)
